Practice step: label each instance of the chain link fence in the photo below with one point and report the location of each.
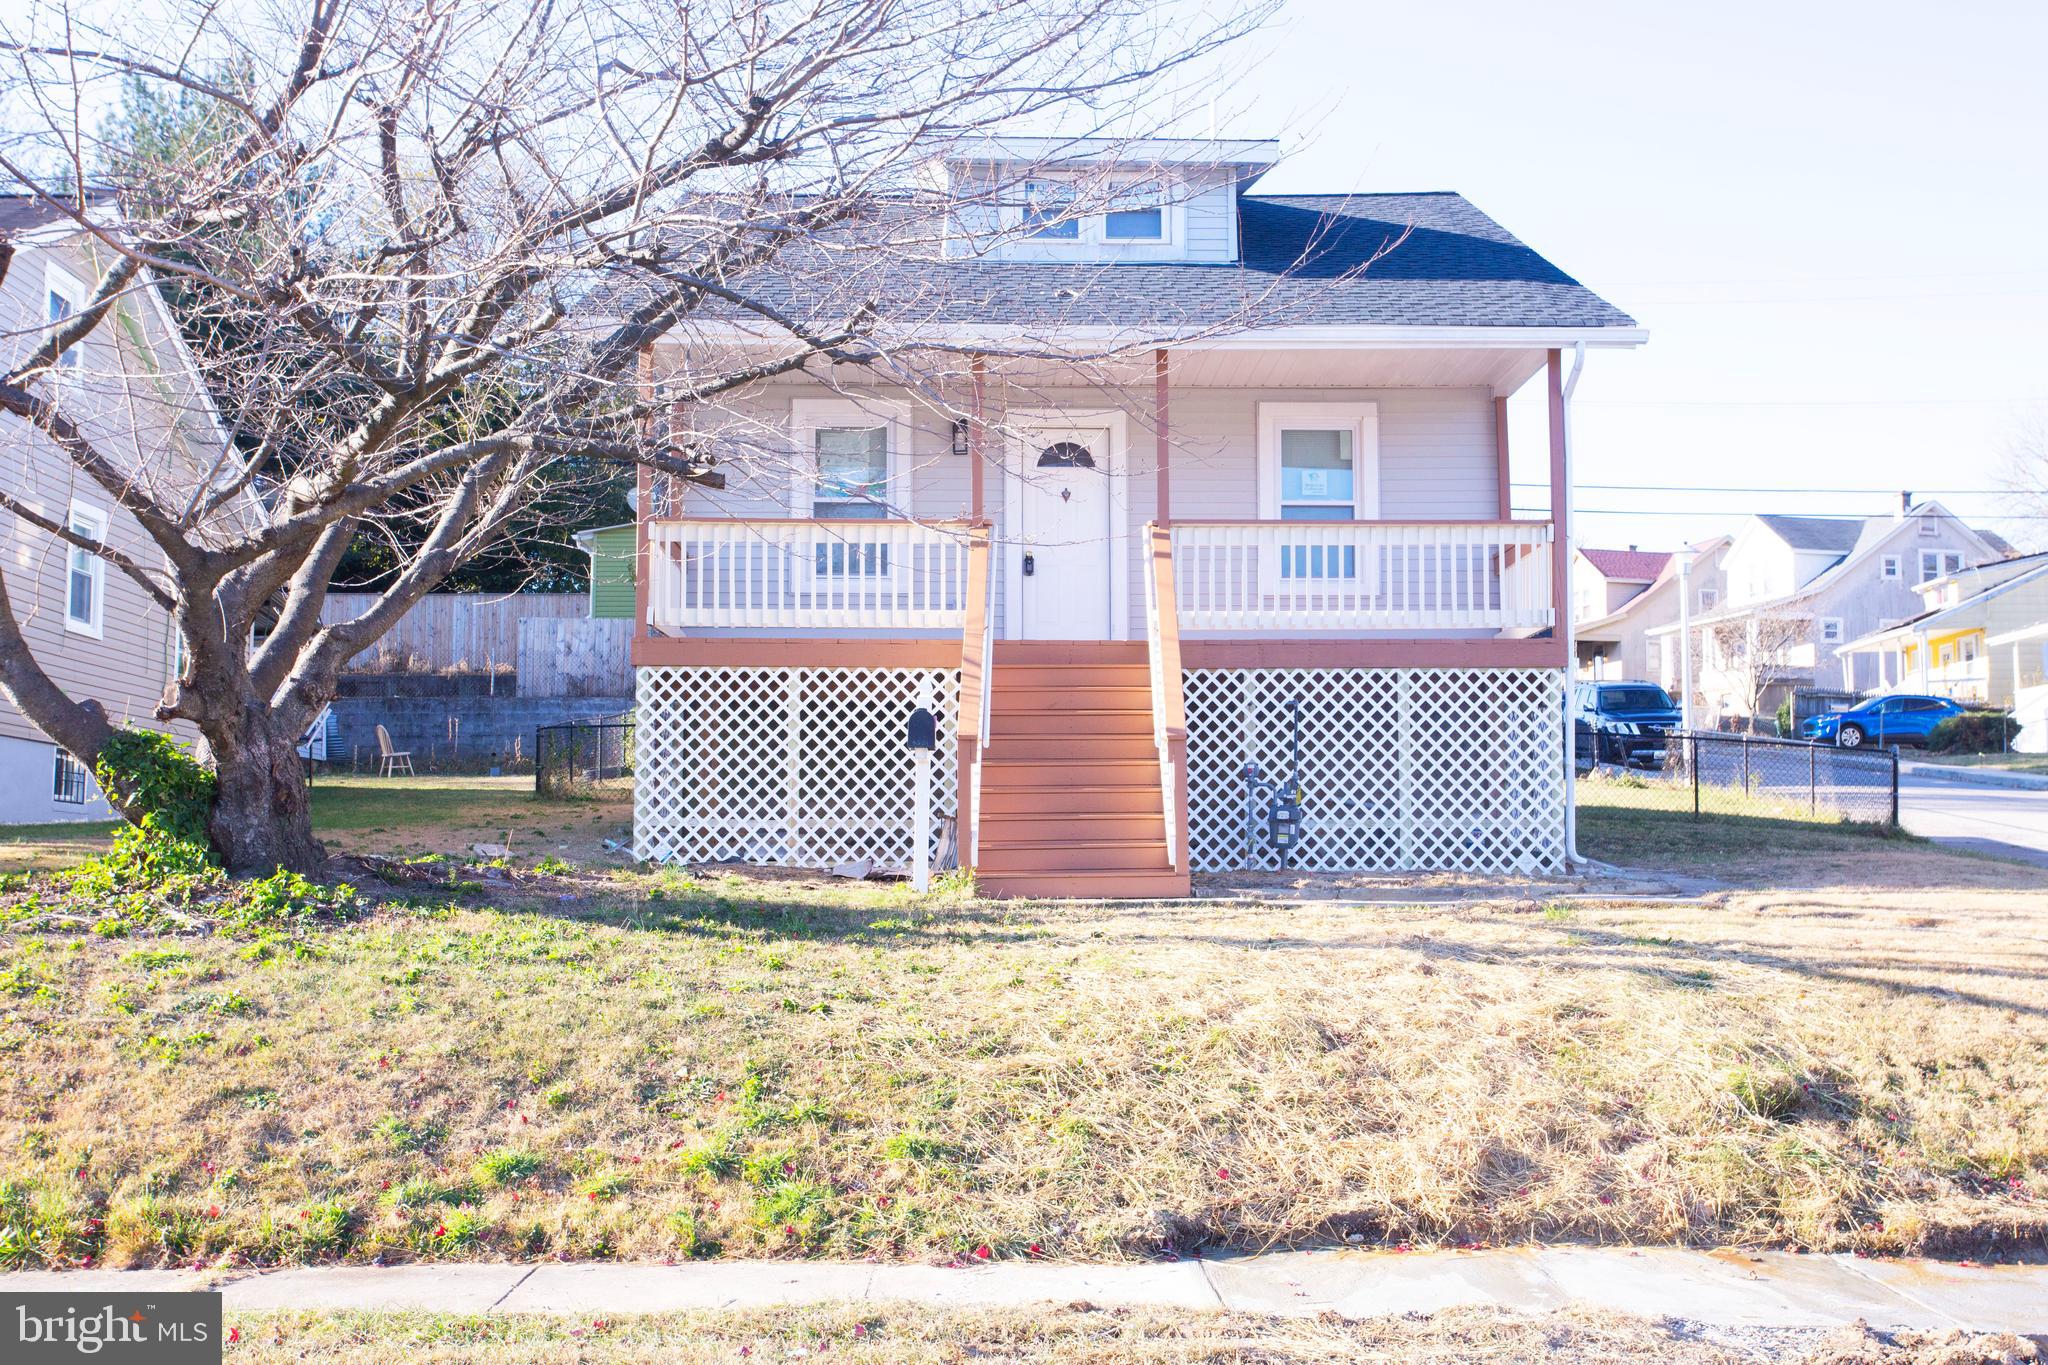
(1709, 774)
(584, 759)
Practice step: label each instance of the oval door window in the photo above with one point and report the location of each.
(1065, 455)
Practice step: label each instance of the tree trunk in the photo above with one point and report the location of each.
(261, 819)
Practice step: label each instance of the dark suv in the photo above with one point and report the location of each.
(1622, 722)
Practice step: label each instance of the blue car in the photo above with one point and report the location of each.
(1882, 720)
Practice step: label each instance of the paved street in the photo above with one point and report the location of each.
(2010, 823)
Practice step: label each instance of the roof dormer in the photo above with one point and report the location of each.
(1102, 200)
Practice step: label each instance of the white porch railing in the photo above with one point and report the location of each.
(1363, 575)
(796, 575)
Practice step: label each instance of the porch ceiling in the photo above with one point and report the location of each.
(1503, 371)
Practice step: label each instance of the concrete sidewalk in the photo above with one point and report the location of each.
(1718, 1288)
(1975, 777)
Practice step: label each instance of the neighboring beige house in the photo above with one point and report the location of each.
(132, 384)
(1945, 650)
(1602, 580)
(1799, 588)
(1614, 643)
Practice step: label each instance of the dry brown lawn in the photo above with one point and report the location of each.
(1072, 1334)
(618, 1063)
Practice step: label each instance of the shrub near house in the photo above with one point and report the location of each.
(1974, 732)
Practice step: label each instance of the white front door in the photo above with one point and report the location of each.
(1065, 528)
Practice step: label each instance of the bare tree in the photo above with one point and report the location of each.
(1757, 652)
(424, 246)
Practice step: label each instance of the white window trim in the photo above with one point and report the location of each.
(1363, 420)
(1894, 566)
(808, 416)
(96, 627)
(1831, 630)
(1091, 233)
(61, 282)
(1709, 598)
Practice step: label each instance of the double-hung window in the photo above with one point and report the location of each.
(63, 295)
(1939, 563)
(1135, 214)
(1048, 211)
(1318, 462)
(846, 472)
(85, 573)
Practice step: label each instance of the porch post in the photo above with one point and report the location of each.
(643, 490)
(1500, 455)
(1165, 511)
(1560, 508)
(975, 423)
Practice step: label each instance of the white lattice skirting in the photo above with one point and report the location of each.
(803, 767)
(1402, 769)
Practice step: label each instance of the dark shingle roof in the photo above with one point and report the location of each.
(1308, 260)
(1834, 535)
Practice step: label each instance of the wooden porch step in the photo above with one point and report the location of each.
(1050, 852)
(1011, 766)
(1072, 697)
(1120, 721)
(1029, 676)
(1083, 884)
(1130, 798)
(1064, 826)
(1042, 747)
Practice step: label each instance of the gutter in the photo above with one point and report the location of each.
(1571, 663)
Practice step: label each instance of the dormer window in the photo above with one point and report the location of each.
(1138, 216)
(1046, 206)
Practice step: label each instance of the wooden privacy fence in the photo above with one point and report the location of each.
(449, 630)
(575, 658)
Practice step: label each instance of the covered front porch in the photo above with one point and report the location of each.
(1075, 670)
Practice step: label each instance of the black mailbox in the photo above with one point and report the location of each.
(923, 730)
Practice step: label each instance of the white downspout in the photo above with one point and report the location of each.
(1571, 646)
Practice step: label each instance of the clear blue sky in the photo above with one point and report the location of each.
(1833, 219)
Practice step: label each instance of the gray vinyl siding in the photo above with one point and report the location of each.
(1212, 224)
(125, 404)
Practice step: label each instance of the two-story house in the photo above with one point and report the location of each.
(1945, 649)
(133, 387)
(1120, 583)
(1799, 588)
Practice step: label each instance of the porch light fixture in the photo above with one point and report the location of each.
(960, 437)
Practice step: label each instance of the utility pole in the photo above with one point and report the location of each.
(1685, 638)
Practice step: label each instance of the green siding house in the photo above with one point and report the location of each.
(611, 571)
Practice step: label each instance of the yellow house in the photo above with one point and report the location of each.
(1946, 651)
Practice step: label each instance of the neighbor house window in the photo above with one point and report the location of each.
(1939, 564)
(1892, 566)
(1831, 630)
(64, 295)
(1709, 599)
(85, 577)
(1047, 211)
(1318, 462)
(67, 782)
